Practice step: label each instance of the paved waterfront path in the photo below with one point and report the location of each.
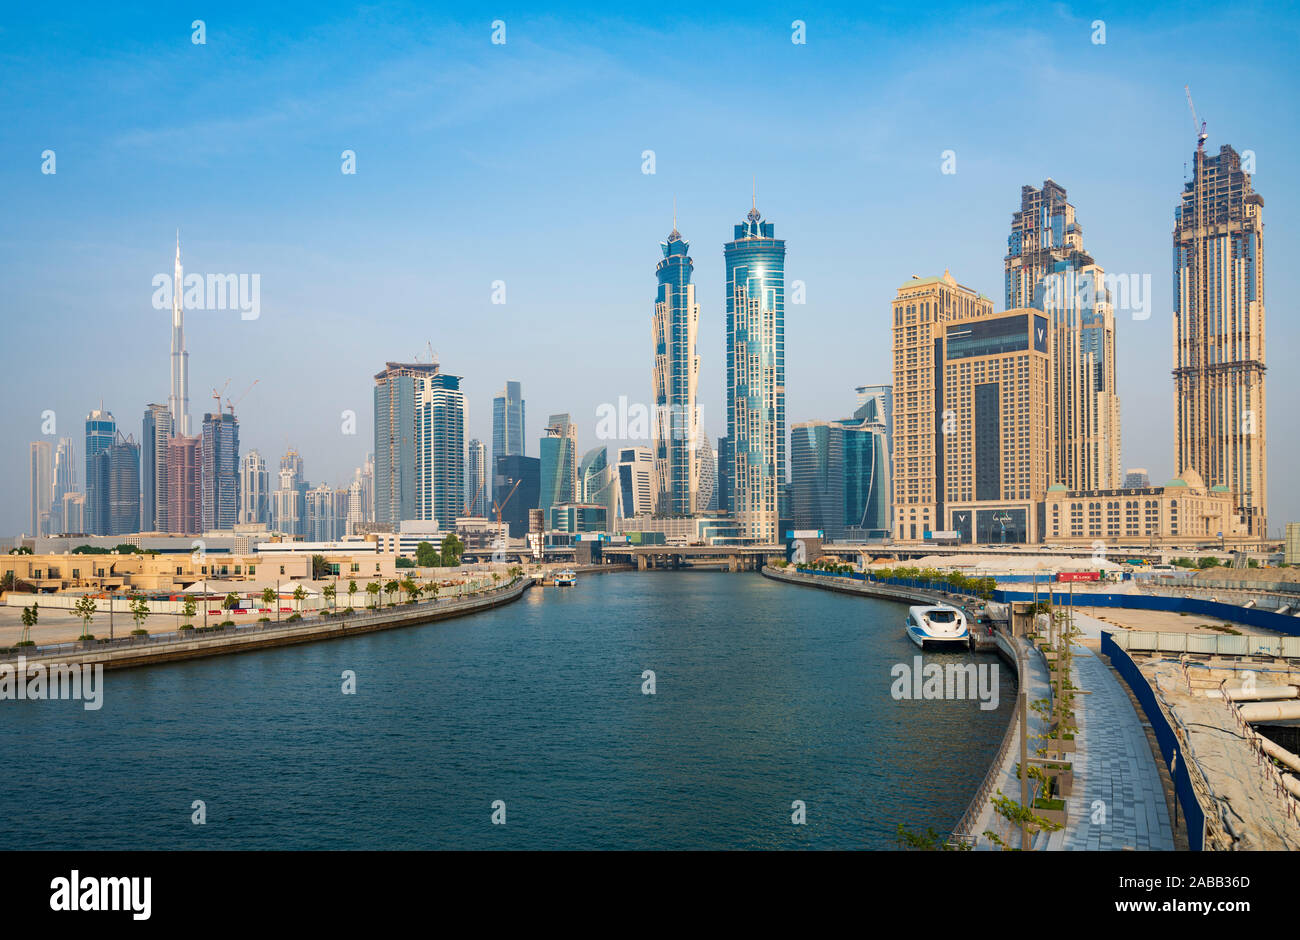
(1113, 764)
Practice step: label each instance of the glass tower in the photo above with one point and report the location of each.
(755, 264)
(675, 380)
(101, 430)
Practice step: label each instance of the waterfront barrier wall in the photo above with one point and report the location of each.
(129, 651)
(1264, 619)
(1170, 749)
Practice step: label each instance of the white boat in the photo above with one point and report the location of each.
(565, 577)
(938, 625)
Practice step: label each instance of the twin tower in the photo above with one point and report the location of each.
(752, 457)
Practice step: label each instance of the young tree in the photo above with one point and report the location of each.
(188, 609)
(85, 609)
(299, 595)
(373, 590)
(352, 589)
(269, 596)
(390, 588)
(329, 591)
(139, 611)
(426, 556)
(409, 587)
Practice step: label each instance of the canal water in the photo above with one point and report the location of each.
(764, 694)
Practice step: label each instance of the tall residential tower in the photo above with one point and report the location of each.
(178, 403)
(675, 380)
(755, 262)
(1219, 414)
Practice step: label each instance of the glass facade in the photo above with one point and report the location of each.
(987, 337)
(756, 429)
(101, 430)
(675, 379)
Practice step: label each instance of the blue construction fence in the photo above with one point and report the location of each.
(1265, 619)
(1166, 739)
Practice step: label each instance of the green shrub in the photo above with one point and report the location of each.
(140, 632)
(294, 617)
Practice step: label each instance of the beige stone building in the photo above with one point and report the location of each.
(174, 573)
(1218, 332)
(1182, 512)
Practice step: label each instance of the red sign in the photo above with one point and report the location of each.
(1079, 576)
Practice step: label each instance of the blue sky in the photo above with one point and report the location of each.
(522, 163)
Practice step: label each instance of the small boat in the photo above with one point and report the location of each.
(565, 578)
(937, 625)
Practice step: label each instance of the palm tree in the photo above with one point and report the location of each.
(269, 597)
(409, 587)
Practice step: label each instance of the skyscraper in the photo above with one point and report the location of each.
(1219, 404)
(755, 263)
(922, 308)
(514, 501)
(184, 473)
(254, 489)
(178, 403)
(636, 480)
(675, 379)
(722, 492)
(477, 484)
(40, 487)
(508, 422)
(289, 501)
(123, 464)
(322, 524)
(153, 468)
(598, 483)
(219, 473)
(101, 430)
(440, 449)
(817, 477)
(398, 392)
(65, 482)
(1047, 268)
(559, 456)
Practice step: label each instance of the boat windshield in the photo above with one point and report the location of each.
(942, 616)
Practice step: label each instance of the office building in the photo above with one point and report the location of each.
(40, 487)
(1137, 478)
(559, 456)
(1219, 402)
(101, 431)
(516, 481)
(756, 432)
(817, 477)
(675, 380)
(74, 509)
(219, 472)
(722, 485)
(153, 468)
(508, 422)
(121, 463)
(598, 483)
(399, 390)
(636, 480)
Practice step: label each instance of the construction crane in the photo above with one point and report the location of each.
(1196, 123)
(498, 507)
(216, 396)
(473, 499)
(230, 405)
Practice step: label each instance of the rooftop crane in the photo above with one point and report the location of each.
(216, 395)
(473, 499)
(498, 507)
(1196, 123)
(230, 405)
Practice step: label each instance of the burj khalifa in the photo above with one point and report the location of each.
(178, 402)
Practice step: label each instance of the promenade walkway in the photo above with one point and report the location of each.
(1118, 801)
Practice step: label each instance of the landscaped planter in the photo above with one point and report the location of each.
(1060, 745)
(1051, 810)
(1062, 777)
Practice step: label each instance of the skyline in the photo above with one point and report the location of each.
(327, 320)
